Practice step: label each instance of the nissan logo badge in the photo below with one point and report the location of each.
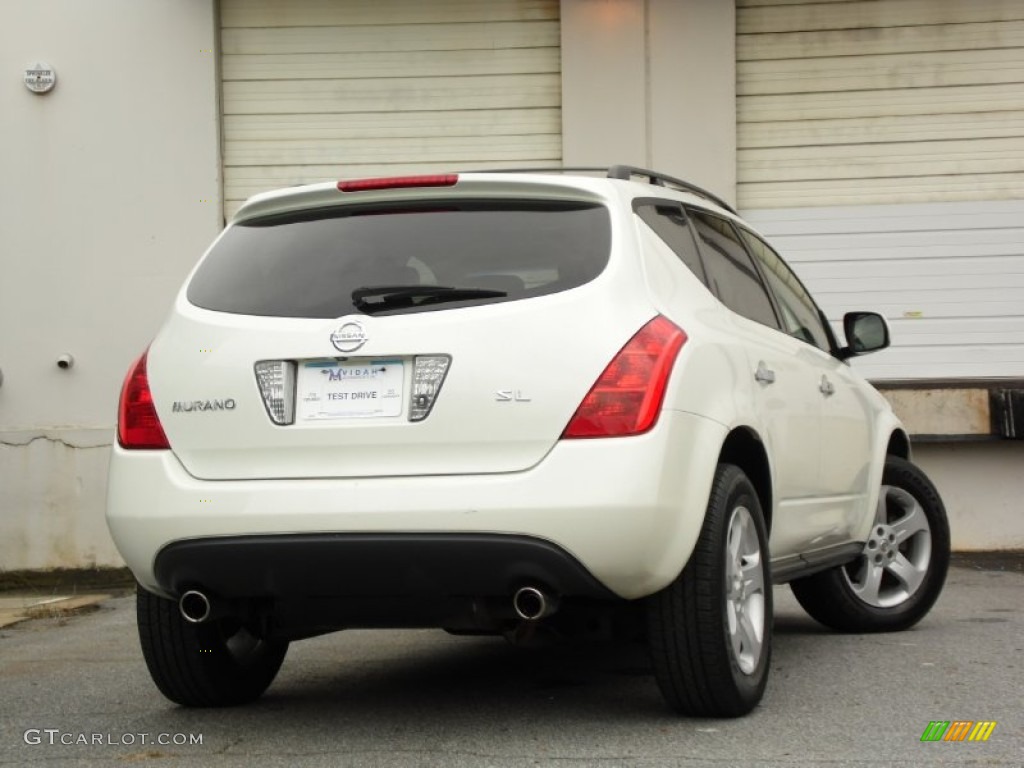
(349, 337)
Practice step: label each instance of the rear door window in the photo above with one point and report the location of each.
(402, 258)
(800, 315)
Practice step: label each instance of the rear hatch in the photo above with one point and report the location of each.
(407, 332)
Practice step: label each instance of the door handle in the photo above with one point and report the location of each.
(764, 374)
(827, 388)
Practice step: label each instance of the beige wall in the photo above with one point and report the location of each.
(981, 488)
(651, 83)
(110, 192)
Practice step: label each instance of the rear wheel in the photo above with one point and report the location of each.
(899, 573)
(710, 629)
(218, 663)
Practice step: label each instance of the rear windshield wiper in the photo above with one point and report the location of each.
(383, 297)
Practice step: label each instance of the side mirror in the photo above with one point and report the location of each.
(865, 332)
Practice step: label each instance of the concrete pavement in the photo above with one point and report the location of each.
(75, 692)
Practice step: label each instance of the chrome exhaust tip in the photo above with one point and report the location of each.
(532, 604)
(195, 606)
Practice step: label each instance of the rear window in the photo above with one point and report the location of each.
(360, 259)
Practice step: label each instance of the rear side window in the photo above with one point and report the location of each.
(731, 272)
(332, 262)
(668, 221)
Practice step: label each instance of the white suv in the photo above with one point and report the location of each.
(495, 401)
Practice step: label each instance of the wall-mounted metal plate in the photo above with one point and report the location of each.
(40, 77)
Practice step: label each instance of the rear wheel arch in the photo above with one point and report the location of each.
(743, 448)
(899, 445)
(709, 631)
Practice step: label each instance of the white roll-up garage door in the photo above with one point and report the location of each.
(326, 89)
(881, 146)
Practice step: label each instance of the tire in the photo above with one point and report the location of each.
(709, 631)
(218, 663)
(898, 576)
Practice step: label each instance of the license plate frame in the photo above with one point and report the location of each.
(332, 390)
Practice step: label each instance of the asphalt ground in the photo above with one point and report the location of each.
(423, 698)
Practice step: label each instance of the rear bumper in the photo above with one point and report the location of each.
(371, 565)
(626, 511)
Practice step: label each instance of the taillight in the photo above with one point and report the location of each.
(428, 374)
(627, 396)
(276, 380)
(138, 426)
(399, 182)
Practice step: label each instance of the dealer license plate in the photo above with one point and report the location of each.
(328, 389)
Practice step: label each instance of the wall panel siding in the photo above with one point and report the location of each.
(888, 100)
(349, 13)
(949, 277)
(380, 64)
(880, 72)
(325, 89)
(920, 38)
(881, 148)
(464, 35)
(414, 94)
(388, 124)
(775, 16)
(968, 126)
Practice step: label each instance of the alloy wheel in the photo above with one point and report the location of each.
(745, 585)
(896, 556)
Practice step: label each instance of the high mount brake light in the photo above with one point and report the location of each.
(626, 398)
(138, 426)
(399, 182)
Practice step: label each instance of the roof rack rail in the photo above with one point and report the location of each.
(626, 173)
